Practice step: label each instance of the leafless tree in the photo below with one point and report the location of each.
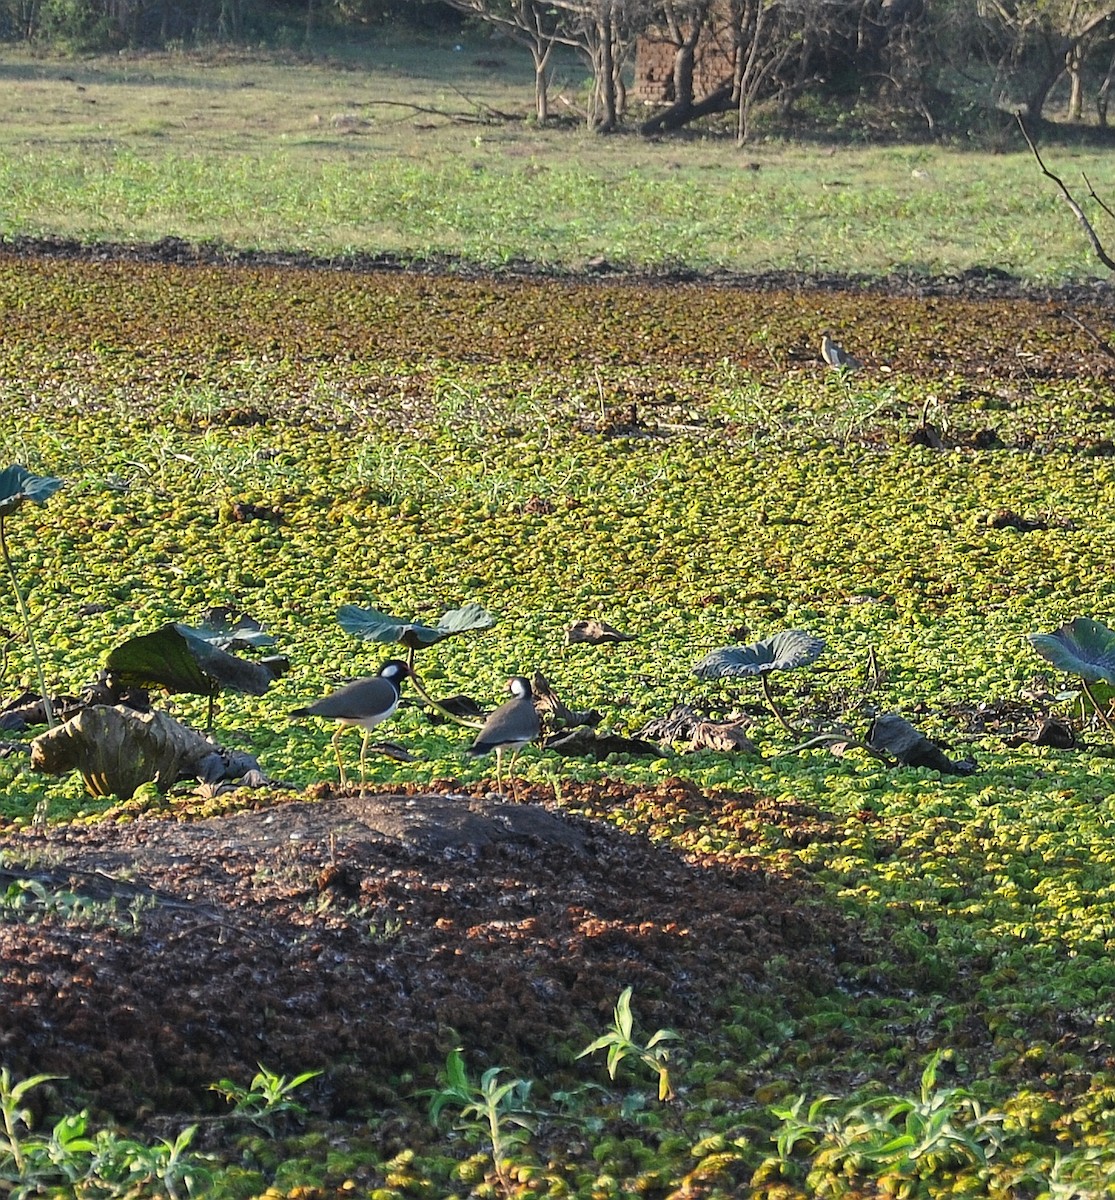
(531, 23)
(605, 32)
(1056, 32)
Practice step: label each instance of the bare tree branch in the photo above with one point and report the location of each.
(1078, 212)
(1092, 193)
(1084, 327)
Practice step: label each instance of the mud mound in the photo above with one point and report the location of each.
(366, 938)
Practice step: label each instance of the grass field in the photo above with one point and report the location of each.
(397, 149)
(675, 461)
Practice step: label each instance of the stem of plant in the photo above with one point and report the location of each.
(13, 1140)
(437, 707)
(48, 708)
(1096, 705)
(774, 707)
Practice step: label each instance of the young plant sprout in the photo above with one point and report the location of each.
(620, 1042)
(784, 651)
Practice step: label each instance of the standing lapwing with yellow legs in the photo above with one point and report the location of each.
(510, 727)
(835, 355)
(364, 703)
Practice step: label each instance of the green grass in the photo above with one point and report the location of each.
(394, 149)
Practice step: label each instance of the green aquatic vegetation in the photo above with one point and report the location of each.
(18, 485)
(640, 457)
(898, 1141)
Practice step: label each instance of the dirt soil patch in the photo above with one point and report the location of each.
(368, 936)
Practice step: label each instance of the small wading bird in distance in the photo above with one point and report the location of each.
(510, 727)
(364, 703)
(835, 355)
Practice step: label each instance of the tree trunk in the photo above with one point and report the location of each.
(606, 109)
(1035, 101)
(541, 84)
(684, 57)
(1076, 84)
(677, 115)
(1102, 94)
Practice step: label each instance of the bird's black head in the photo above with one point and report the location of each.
(519, 685)
(396, 670)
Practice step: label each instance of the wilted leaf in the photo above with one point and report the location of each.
(785, 651)
(677, 725)
(558, 714)
(894, 735)
(584, 742)
(1082, 647)
(393, 751)
(724, 736)
(18, 484)
(595, 633)
(117, 750)
(374, 626)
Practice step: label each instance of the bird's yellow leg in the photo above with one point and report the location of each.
(511, 773)
(336, 739)
(364, 759)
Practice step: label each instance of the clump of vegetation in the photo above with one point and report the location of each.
(17, 486)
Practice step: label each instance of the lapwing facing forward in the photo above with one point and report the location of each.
(364, 702)
(510, 727)
(835, 355)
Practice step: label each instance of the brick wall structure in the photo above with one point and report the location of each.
(713, 63)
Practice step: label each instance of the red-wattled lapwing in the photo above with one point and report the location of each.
(835, 355)
(364, 702)
(510, 727)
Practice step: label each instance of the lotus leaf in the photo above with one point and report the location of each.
(374, 626)
(219, 630)
(179, 659)
(18, 484)
(117, 750)
(1082, 647)
(783, 652)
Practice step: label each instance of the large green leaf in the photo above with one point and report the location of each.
(1082, 647)
(177, 658)
(219, 630)
(18, 484)
(374, 626)
(783, 652)
(163, 659)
